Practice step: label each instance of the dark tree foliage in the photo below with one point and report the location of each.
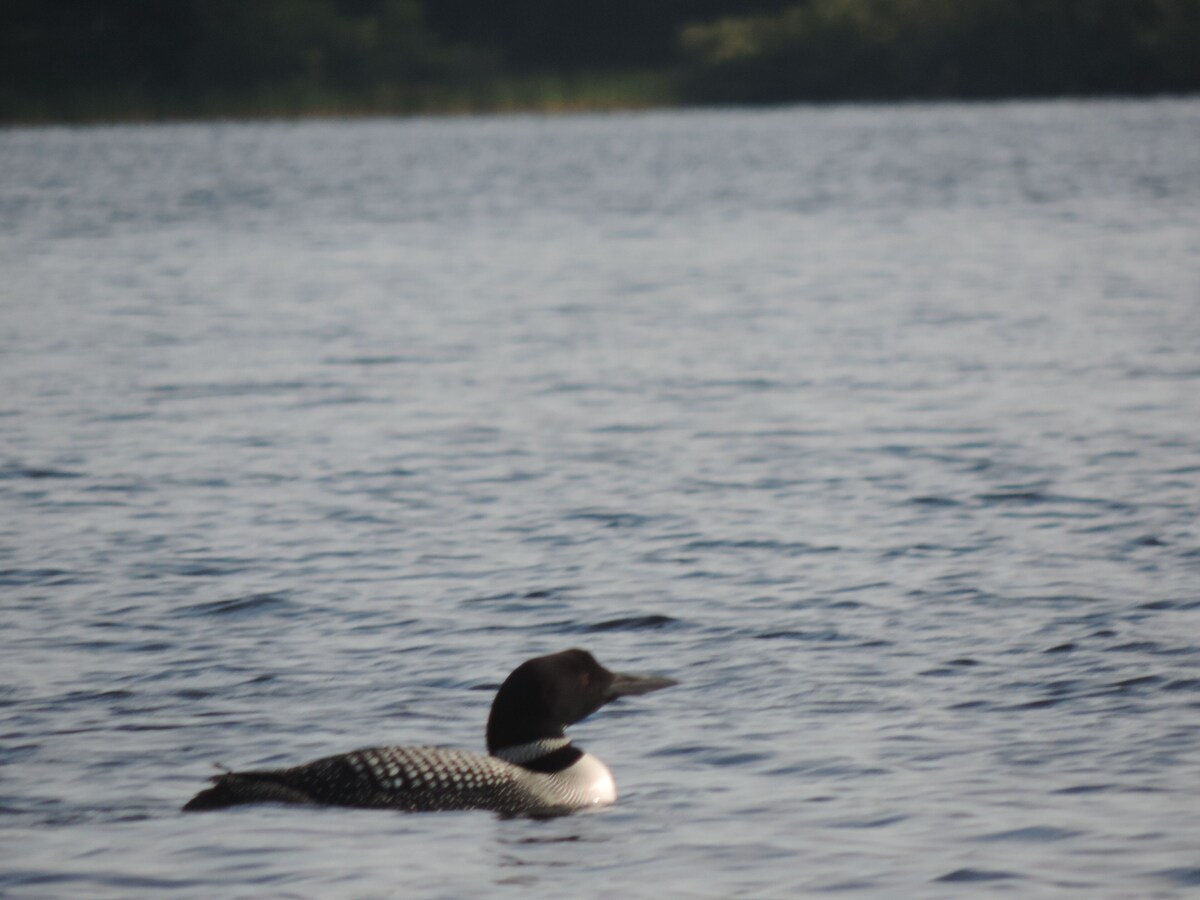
(535, 35)
(52, 46)
(888, 49)
(173, 50)
(68, 58)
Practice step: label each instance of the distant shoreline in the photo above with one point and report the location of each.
(527, 96)
(550, 94)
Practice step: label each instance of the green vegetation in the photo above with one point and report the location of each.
(86, 60)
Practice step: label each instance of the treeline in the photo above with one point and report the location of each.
(97, 59)
(889, 49)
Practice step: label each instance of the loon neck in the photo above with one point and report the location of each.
(544, 755)
(520, 754)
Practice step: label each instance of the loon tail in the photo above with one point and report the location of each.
(235, 788)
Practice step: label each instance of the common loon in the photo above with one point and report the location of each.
(532, 767)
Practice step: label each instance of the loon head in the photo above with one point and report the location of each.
(544, 695)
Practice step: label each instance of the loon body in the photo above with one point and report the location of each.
(531, 768)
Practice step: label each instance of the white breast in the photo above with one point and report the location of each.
(596, 781)
(587, 783)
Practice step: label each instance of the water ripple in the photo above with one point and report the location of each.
(252, 604)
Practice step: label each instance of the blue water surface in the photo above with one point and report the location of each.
(876, 427)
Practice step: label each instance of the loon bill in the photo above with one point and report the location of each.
(532, 768)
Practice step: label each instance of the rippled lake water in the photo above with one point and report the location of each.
(876, 427)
